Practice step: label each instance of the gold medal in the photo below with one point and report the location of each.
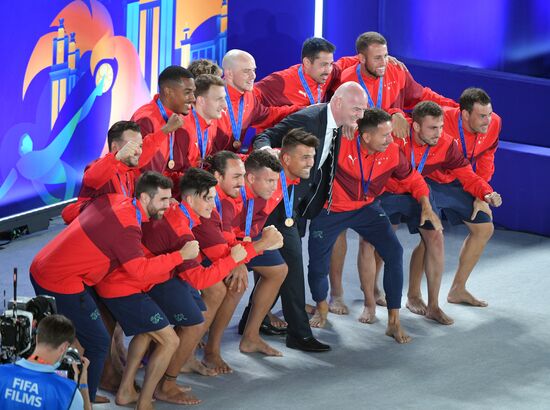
(236, 144)
(247, 239)
(289, 222)
(171, 164)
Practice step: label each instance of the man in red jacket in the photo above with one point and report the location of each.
(364, 166)
(194, 141)
(228, 168)
(244, 109)
(302, 84)
(162, 117)
(475, 129)
(105, 237)
(116, 172)
(432, 152)
(392, 88)
(177, 298)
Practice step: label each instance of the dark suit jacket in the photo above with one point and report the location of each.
(311, 194)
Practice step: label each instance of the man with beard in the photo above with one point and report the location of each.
(392, 88)
(104, 237)
(117, 171)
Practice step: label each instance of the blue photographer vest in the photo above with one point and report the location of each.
(26, 385)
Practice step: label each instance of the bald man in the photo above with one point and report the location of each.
(244, 109)
(325, 121)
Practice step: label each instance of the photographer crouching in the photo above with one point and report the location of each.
(34, 383)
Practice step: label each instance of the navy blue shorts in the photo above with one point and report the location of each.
(268, 258)
(179, 301)
(137, 313)
(455, 203)
(404, 208)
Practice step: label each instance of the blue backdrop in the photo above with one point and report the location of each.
(502, 46)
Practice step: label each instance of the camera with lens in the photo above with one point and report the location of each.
(66, 368)
(18, 326)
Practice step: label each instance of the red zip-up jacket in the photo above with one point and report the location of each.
(348, 192)
(480, 148)
(400, 90)
(285, 88)
(442, 158)
(105, 237)
(255, 115)
(168, 234)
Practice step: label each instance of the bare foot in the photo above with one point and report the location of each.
(193, 365)
(338, 306)
(214, 361)
(126, 396)
(276, 321)
(172, 393)
(101, 399)
(465, 297)
(416, 305)
(397, 332)
(319, 318)
(257, 346)
(379, 297)
(310, 309)
(439, 316)
(368, 316)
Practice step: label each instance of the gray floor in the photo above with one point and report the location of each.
(492, 358)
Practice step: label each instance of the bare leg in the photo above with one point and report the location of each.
(471, 251)
(168, 390)
(434, 265)
(212, 350)
(113, 367)
(265, 293)
(415, 303)
(213, 298)
(379, 295)
(337, 304)
(367, 273)
(394, 328)
(167, 343)
(320, 314)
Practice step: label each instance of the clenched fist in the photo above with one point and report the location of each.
(238, 253)
(129, 153)
(272, 238)
(190, 250)
(174, 122)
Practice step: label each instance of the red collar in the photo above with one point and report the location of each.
(169, 112)
(234, 94)
(194, 217)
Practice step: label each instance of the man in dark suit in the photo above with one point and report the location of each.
(325, 121)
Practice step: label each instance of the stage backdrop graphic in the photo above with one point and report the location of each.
(73, 68)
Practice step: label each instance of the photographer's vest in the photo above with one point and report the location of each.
(36, 388)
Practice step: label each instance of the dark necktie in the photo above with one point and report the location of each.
(332, 170)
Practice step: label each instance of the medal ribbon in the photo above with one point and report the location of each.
(138, 212)
(307, 89)
(288, 201)
(249, 211)
(463, 142)
(364, 184)
(186, 213)
(203, 138)
(236, 127)
(422, 160)
(380, 88)
(171, 135)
